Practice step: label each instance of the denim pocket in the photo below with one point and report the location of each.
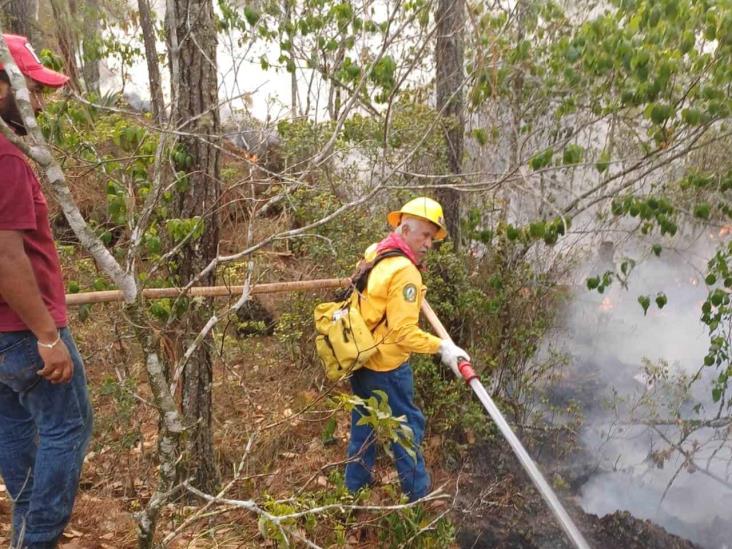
(19, 361)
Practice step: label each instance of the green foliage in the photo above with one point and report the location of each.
(717, 316)
(339, 244)
(600, 282)
(572, 154)
(541, 230)
(644, 302)
(183, 229)
(382, 75)
(498, 308)
(301, 140)
(541, 160)
(294, 328)
(333, 527)
(415, 527)
(51, 60)
(653, 212)
(376, 413)
(454, 416)
(122, 431)
(277, 531)
(603, 162)
(411, 125)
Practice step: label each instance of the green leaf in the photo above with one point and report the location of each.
(572, 54)
(572, 154)
(593, 282)
(481, 136)
(327, 436)
(541, 160)
(603, 162)
(688, 40)
(251, 15)
(645, 302)
(536, 230)
(382, 73)
(702, 210)
(691, 116)
(617, 208)
(656, 248)
(717, 297)
(550, 236)
(659, 113)
(661, 300)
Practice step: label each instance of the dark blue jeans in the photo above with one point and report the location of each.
(399, 387)
(44, 432)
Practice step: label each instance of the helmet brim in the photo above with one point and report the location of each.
(394, 218)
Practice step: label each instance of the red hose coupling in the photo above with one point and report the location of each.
(466, 370)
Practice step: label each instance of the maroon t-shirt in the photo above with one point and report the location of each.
(23, 208)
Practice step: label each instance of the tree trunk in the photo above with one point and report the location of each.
(67, 39)
(449, 82)
(151, 55)
(196, 114)
(90, 14)
(20, 18)
(293, 75)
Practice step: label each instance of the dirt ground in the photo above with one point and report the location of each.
(262, 396)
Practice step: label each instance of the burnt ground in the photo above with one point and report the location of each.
(498, 507)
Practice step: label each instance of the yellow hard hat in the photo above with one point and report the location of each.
(424, 208)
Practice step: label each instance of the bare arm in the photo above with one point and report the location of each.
(19, 289)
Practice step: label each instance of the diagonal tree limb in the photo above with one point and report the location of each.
(40, 153)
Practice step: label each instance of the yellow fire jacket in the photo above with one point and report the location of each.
(395, 289)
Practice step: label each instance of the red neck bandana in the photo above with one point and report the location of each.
(395, 242)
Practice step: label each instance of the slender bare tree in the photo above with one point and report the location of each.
(450, 22)
(151, 56)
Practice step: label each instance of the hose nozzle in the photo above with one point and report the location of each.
(466, 370)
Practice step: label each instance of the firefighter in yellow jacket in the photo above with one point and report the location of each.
(390, 305)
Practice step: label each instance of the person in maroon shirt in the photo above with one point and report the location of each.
(45, 414)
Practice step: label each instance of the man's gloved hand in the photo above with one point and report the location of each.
(451, 354)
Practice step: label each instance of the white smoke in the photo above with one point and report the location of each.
(625, 367)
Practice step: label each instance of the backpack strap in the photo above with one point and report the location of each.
(361, 277)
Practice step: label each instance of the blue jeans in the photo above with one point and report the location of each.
(44, 432)
(399, 387)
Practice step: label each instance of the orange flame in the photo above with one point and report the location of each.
(606, 305)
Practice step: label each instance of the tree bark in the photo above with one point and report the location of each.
(449, 82)
(67, 39)
(20, 18)
(196, 113)
(170, 428)
(91, 16)
(151, 55)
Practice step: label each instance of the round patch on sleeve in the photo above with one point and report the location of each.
(410, 293)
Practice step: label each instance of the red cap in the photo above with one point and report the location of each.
(29, 63)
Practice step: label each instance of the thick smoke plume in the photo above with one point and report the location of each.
(632, 376)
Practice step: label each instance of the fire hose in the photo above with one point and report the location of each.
(465, 368)
(471, 378)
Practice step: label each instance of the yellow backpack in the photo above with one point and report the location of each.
(344, 342)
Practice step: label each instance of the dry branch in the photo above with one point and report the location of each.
(85, 298)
